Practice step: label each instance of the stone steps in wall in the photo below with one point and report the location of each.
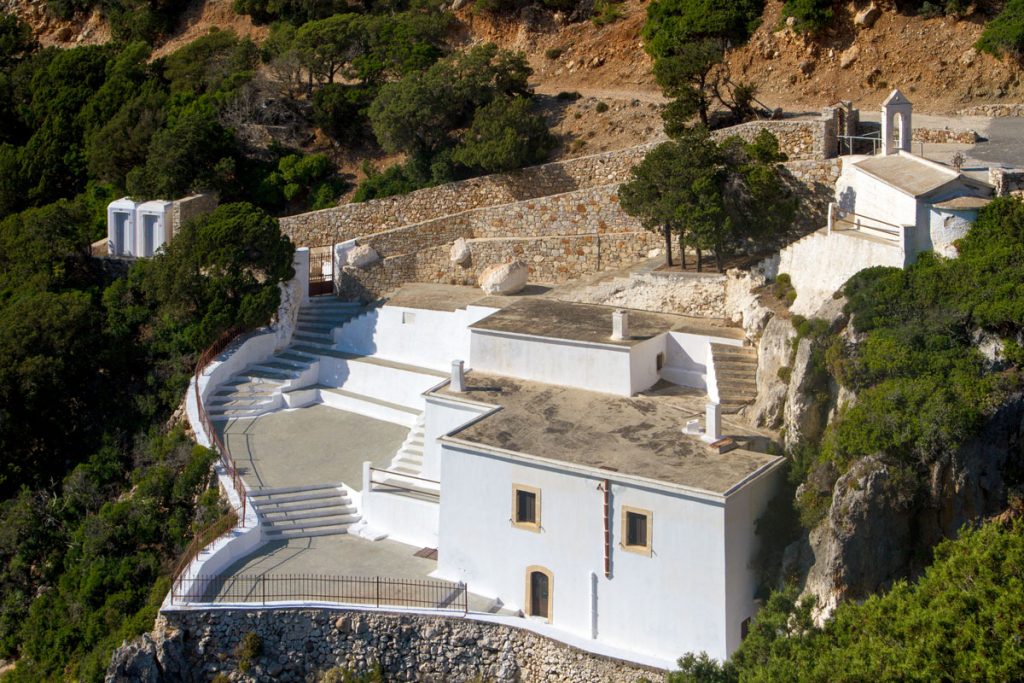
(736, 375)
(304, 511)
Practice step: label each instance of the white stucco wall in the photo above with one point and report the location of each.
(594, 367)
(819, 264)
(427, 338)
(643, 363)
(946, 226)
(864, 194)
(441, 418)
(403, 518)
(394, 385)
(741, 545)
(663, 605)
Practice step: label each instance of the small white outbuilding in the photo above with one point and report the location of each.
(121, 227)
(152, 222)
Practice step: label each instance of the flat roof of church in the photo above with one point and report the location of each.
(592, 323)
(639, 436)
(908, 173)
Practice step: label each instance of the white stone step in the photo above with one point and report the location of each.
(336, 520)
(302, 488)
(282, 499)
(278, 534)
(309, 513)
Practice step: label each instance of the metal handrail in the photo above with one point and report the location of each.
(371, 591)
(220, 445)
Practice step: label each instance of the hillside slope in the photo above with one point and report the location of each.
(932, 60)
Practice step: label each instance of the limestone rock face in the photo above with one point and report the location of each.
(460, 253)
(772, 354)
(865, 541)
(287, 313)
(867, 16)
(880, 526)
(156, 657)
(805, 415)
(361, 256)
(505, 278)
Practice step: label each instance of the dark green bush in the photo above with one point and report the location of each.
(811, 15)
(1004, 34)
(601, 107)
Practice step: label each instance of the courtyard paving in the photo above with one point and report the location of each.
(313, 445)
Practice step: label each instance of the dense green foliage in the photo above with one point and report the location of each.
(105, 122)
(961, 621)
(922, 386)
(810, 15)
(710, 195)
(1004, 34)
(98, 498)
(673, 24)
(466, 113)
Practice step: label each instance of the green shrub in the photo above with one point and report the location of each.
(606, 12)
(567, 95)
(1004, 34)
(601, 107)
(250, 647)
(811, 15)
(553, 52)
(785, 372)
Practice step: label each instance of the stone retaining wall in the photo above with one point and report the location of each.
(993, 110)
(297, 644)
(1007, 181)
(560, 237)
(944, 135)
(799, 140)
(349, 221)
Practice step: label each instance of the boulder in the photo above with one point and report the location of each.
(460, 253)
(505, 278)
(849, 56)
(361, 256)
(867, 16)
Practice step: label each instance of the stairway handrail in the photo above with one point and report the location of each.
(220, 445)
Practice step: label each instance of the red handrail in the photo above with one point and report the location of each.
(219, 444)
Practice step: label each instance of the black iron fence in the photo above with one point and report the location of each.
(371, 591)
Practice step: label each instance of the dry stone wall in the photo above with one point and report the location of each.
(1007, 181)
(799, 140)
(343, 223)
(944, 135)
(299, 643)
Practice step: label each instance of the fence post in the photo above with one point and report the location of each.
(378, 591)
(263, 588)
(465, 598)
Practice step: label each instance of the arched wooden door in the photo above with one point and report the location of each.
(539, 591)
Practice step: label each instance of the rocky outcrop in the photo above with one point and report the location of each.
(296, 644)
(773, 352)
(505, 278)
(882, 523)
(805, 414)
(157, 657)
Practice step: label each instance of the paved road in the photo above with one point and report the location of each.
(1005, 143)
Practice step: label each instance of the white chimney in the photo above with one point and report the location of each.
(458, 377)
(620, 325)
(712, 422)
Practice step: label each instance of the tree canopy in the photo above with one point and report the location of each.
(710, 195)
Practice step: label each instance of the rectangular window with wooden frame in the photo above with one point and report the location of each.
(526, 507)
(637, 528)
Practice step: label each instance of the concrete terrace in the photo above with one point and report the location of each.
(307, 446)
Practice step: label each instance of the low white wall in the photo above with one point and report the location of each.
(820, 264)
(403, 518)
(594, 367)
(384, 383)
(643, 363)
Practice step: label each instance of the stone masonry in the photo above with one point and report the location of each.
(297, 644)
(350, 221)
